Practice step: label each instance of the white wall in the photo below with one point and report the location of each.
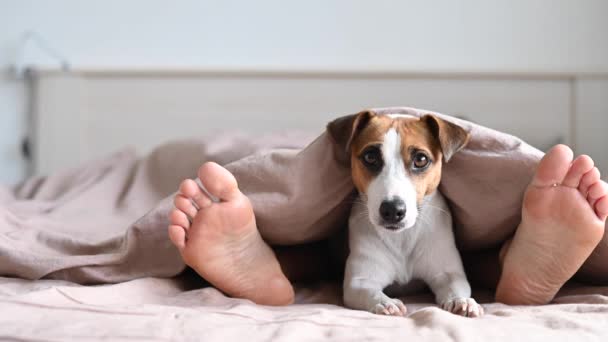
(472, 35)
(592, 125)
(12, 129)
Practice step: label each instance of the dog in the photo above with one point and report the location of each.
(400, 226)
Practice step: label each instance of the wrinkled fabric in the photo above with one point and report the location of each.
(154, 309)
(106, 222)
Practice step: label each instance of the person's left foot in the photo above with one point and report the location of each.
(563, 218)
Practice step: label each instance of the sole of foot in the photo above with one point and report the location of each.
(219, 239)
(563, 219)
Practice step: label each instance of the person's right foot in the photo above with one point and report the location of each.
(221, 242)
(563, 217)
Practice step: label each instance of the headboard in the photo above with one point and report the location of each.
(84, 114)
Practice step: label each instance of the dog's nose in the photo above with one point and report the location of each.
(392, 211)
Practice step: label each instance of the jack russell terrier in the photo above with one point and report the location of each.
(400, 227)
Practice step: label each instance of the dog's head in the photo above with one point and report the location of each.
(396, 161)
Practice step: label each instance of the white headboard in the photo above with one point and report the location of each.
(83, 114)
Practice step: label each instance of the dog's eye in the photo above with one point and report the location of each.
(420, 161)
(372, 158)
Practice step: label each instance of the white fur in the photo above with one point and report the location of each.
(401, 116)
(393, 181)
(380, 257)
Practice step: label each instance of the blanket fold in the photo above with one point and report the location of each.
(106, 221)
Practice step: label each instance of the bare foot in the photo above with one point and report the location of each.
(221, 242)
(564, 212)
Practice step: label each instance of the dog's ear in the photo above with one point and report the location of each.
(451, 137)
(343, 130)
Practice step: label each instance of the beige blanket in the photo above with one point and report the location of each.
(106, 223)
(153, 309)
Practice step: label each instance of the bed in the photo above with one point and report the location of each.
(84, 253)
(153, 309)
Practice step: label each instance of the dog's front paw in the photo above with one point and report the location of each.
(390, 307)
(467, 307)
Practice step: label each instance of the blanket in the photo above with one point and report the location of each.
(178, 309)
(105, 223)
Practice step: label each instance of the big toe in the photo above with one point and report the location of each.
(553, 167)
(218, 182)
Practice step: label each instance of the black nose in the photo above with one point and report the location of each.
(392, 211)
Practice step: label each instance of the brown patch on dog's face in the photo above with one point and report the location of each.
(419, 145)
(370, 137)
(395, 160)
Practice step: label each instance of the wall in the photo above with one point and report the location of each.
(472, 35)
(592, 124)
(12, 129)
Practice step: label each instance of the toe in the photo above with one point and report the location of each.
(448, 306)
(178, 218)
(397, 308)
(475, 310)
(218, 181)
(392, 309)
(553, 167)
(601, 208)
(177, 235)
(580, 166)
(457, 306)
(597, 191)
(185, 205)
(462, 308)
(588, 179)
(402, 308)
(191, 190)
